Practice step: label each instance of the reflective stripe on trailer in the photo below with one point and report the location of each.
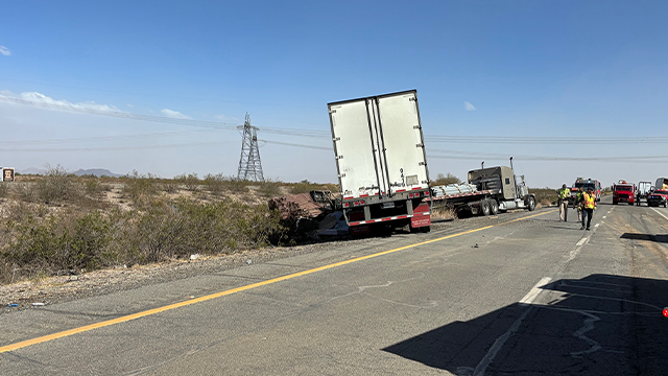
(388, 219)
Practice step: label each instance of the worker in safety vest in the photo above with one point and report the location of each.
(564, 193)
(589, 205)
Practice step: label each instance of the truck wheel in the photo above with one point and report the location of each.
(484, 207)
(615, 202)
(425, 229)
(494, 207)
(630, 203)
(532, 203)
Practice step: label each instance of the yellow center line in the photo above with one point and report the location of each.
(149, 312)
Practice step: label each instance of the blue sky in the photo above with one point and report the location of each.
(482, 68)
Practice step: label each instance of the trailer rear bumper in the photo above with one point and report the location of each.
(420, 216)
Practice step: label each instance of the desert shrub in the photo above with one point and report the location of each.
(445, 180)
(93, 189)
(545, 196)
(20, 210)
(4, 190)
(139, 188)
(25, 192)
(190, 181)
(186, 226)
(64, 241)
(269, 189)
(57, 186)
(58, 244)
(236, 185)
(215, 184)
(444, 212)
(305, 186)
(169, 185)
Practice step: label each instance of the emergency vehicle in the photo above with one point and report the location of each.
(582, 185)
(623, 192)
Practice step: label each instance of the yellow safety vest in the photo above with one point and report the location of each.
(564, 193)
(590, 201)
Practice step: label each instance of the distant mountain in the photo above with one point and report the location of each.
(32, 170)
(91, 171)
(96, 172)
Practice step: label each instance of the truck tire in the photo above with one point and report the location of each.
(531, 203)
(484, 207)
(493, 207)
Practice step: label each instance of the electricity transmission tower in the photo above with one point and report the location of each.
(250, 167)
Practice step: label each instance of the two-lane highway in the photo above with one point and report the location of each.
(521, 294)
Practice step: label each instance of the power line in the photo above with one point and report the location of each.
(326, 134)
(544, 140)
(96, 138)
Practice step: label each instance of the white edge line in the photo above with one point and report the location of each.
(660, 213)
(498, 344)
(533, 293)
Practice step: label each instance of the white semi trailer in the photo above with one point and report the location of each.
(381, 161)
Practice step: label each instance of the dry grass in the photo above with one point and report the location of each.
(545, 196)
(59, 224)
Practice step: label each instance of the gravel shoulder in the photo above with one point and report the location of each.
(101, 282)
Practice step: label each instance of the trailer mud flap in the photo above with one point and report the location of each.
(422, 216)
(421, 221)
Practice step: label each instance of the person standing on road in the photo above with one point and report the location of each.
(564, 193)
(577, 204)
(589, 202)
(638, 198)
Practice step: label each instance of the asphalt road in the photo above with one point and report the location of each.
(518, 294)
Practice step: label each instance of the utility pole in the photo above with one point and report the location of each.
(250, 167)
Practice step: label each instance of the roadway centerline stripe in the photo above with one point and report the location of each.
(169, 307)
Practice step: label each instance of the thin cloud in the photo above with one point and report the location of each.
(34, 98)
(174, 114)
(227, 119)
(468, 106)
(5, 51)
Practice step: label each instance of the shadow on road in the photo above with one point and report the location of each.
(598, 325)
(648, 237)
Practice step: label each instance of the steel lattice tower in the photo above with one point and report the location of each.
(250, 167)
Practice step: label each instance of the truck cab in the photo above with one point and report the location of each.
(507, 191)
(623, 192)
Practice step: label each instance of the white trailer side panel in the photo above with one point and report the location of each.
(353, 148)
(379, 145)
(403, 142)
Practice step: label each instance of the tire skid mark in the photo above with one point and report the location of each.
(580, 333)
